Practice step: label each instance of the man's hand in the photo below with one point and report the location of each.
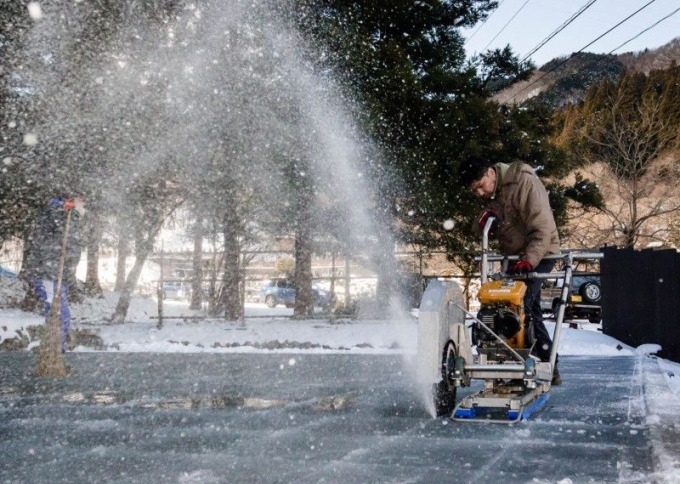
(521, 267)
(69, 204)
(485, 216)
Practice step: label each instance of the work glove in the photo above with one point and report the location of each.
(521, 267)
(485, 216)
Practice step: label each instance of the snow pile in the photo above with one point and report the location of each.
(589, 342)
(98, 310)
(671, 373)
(15, 324)
(11, 292)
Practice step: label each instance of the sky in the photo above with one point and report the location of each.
(538, 19)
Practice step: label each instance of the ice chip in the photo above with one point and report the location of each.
(30, 139)
(34, 10)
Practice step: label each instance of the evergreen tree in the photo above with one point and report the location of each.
(426, 106)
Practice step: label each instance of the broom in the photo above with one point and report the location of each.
(50, 358)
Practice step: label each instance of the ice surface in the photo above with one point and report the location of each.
(281, 400)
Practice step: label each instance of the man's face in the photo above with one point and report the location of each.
(79, 203)
(486, 185)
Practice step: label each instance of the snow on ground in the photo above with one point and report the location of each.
(274, 330)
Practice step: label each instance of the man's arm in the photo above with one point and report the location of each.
(534, 208)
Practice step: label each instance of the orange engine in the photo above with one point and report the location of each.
(502, 310)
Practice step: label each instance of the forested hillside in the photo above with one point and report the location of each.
(625, 135)
(655, 59)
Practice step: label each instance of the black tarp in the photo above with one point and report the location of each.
(641, 297)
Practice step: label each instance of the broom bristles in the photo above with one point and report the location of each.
(50, 358)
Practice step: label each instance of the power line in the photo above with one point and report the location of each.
(559, 29)
(582, 49)
(485, 20)
(617, 25)
(508, 23)
(646, 30)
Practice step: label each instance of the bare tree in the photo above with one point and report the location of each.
(629, 144)
(197, 265)
(148, 220)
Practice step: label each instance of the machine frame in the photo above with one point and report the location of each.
(516, 385)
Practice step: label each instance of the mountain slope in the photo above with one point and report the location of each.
(565, 80)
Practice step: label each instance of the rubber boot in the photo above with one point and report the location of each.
(556, 378)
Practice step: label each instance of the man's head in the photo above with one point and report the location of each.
(479, 175)
(79, 203)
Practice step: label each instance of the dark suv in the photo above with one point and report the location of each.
(584, 301)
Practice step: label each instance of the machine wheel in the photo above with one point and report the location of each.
(591, 293)
(444, 392)
(444, 398)
(270, 301)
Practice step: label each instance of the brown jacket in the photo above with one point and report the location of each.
(527, 226)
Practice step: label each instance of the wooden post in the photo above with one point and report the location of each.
(333, 276)
(347, 280)
(160, 291)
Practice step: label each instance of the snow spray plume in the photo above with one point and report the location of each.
(219, 92)
(219, 97)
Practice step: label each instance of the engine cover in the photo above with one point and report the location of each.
(502, 311)
(504, 291)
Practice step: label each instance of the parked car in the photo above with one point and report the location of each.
(584, 301)
(282, 291)
(173, 290)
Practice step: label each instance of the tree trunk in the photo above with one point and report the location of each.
(123, 252)
(304, 303)
(197, 267)
(387, 270)
(30, 301)
(231, 287)
(141, 253)
(144, 242)
(387, 283)
(92, 285)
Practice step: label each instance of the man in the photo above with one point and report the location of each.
(45, 255)
(525, 226)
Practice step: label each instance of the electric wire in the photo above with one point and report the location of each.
(581, 50)
(645, 30)
(559, 29)
(484, 21)
(507, 23)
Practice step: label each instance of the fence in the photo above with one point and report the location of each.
(641, 298)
